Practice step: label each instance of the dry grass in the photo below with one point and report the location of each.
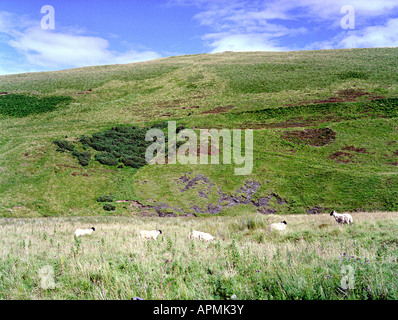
(246, 259)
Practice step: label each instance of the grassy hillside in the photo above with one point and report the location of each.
(325, 134)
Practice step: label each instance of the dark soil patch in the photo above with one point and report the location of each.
(357, 150)
(392, 164)
(4, 93)
(346, 95)
(341, 157)
(85, 92)
(171, 104)
(79, 174)
(314, 137)
(192, 107)
(352, 94)
(219, 109)
(243, 195)
(315, 210)
(391, 143)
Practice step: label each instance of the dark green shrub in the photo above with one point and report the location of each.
(106, 198)
(64, 145)
(109, 207)
(84, 158)
(119, 145)
(106, 158)
(160, 125)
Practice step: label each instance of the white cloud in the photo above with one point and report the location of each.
(245, 26)
(47, 48)
(380, 36)
(243, 42)
(63, 48)
(241, 25)
(375, 36)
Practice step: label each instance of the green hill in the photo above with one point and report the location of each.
(325, 135)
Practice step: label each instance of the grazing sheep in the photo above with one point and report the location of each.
(82, 232)
(153, 234)
(200, 235)
(342, 217)
(278, 226)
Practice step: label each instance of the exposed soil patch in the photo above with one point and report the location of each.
(345, 95)
(346, 157)
(4, 93)
(192, 107)
(85, 92)
(341, 157)
(357, 150)
(219, 109)
(392, 164)
(314, 137)
(79, 174)
(242, 195)
(315, 210)
(171, 104)
(391, 143)
(352, 94)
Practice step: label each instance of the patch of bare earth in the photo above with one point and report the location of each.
(341, 157)
(314, 137)
(345, 95)
(85, 92)
(345, 156)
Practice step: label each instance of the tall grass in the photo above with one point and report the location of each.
(306, 261)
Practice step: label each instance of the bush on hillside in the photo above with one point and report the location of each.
(109, 207)
(106, 198)
(64, 145)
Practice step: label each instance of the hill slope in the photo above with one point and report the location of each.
(325, 134)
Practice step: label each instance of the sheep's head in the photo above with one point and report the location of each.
(332, 213)
(160, 231)
(93, 228)
(284, 222)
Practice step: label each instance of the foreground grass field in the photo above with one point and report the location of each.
(314, 258)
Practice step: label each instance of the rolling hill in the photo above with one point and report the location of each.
(324, 124)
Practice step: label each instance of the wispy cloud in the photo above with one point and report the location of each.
(41, 49)
(47, 48)
(245, 26)
(381, 36)
(240, 25)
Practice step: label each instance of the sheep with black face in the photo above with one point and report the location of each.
(152, 234)
(342, 218)
(83, 232)
(278, 226)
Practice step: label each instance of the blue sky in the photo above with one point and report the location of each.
(98, 32)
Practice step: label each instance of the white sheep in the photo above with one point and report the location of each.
(153, 234)
(278, 226)
(200, 235)
(342, 217)
(83, 232)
